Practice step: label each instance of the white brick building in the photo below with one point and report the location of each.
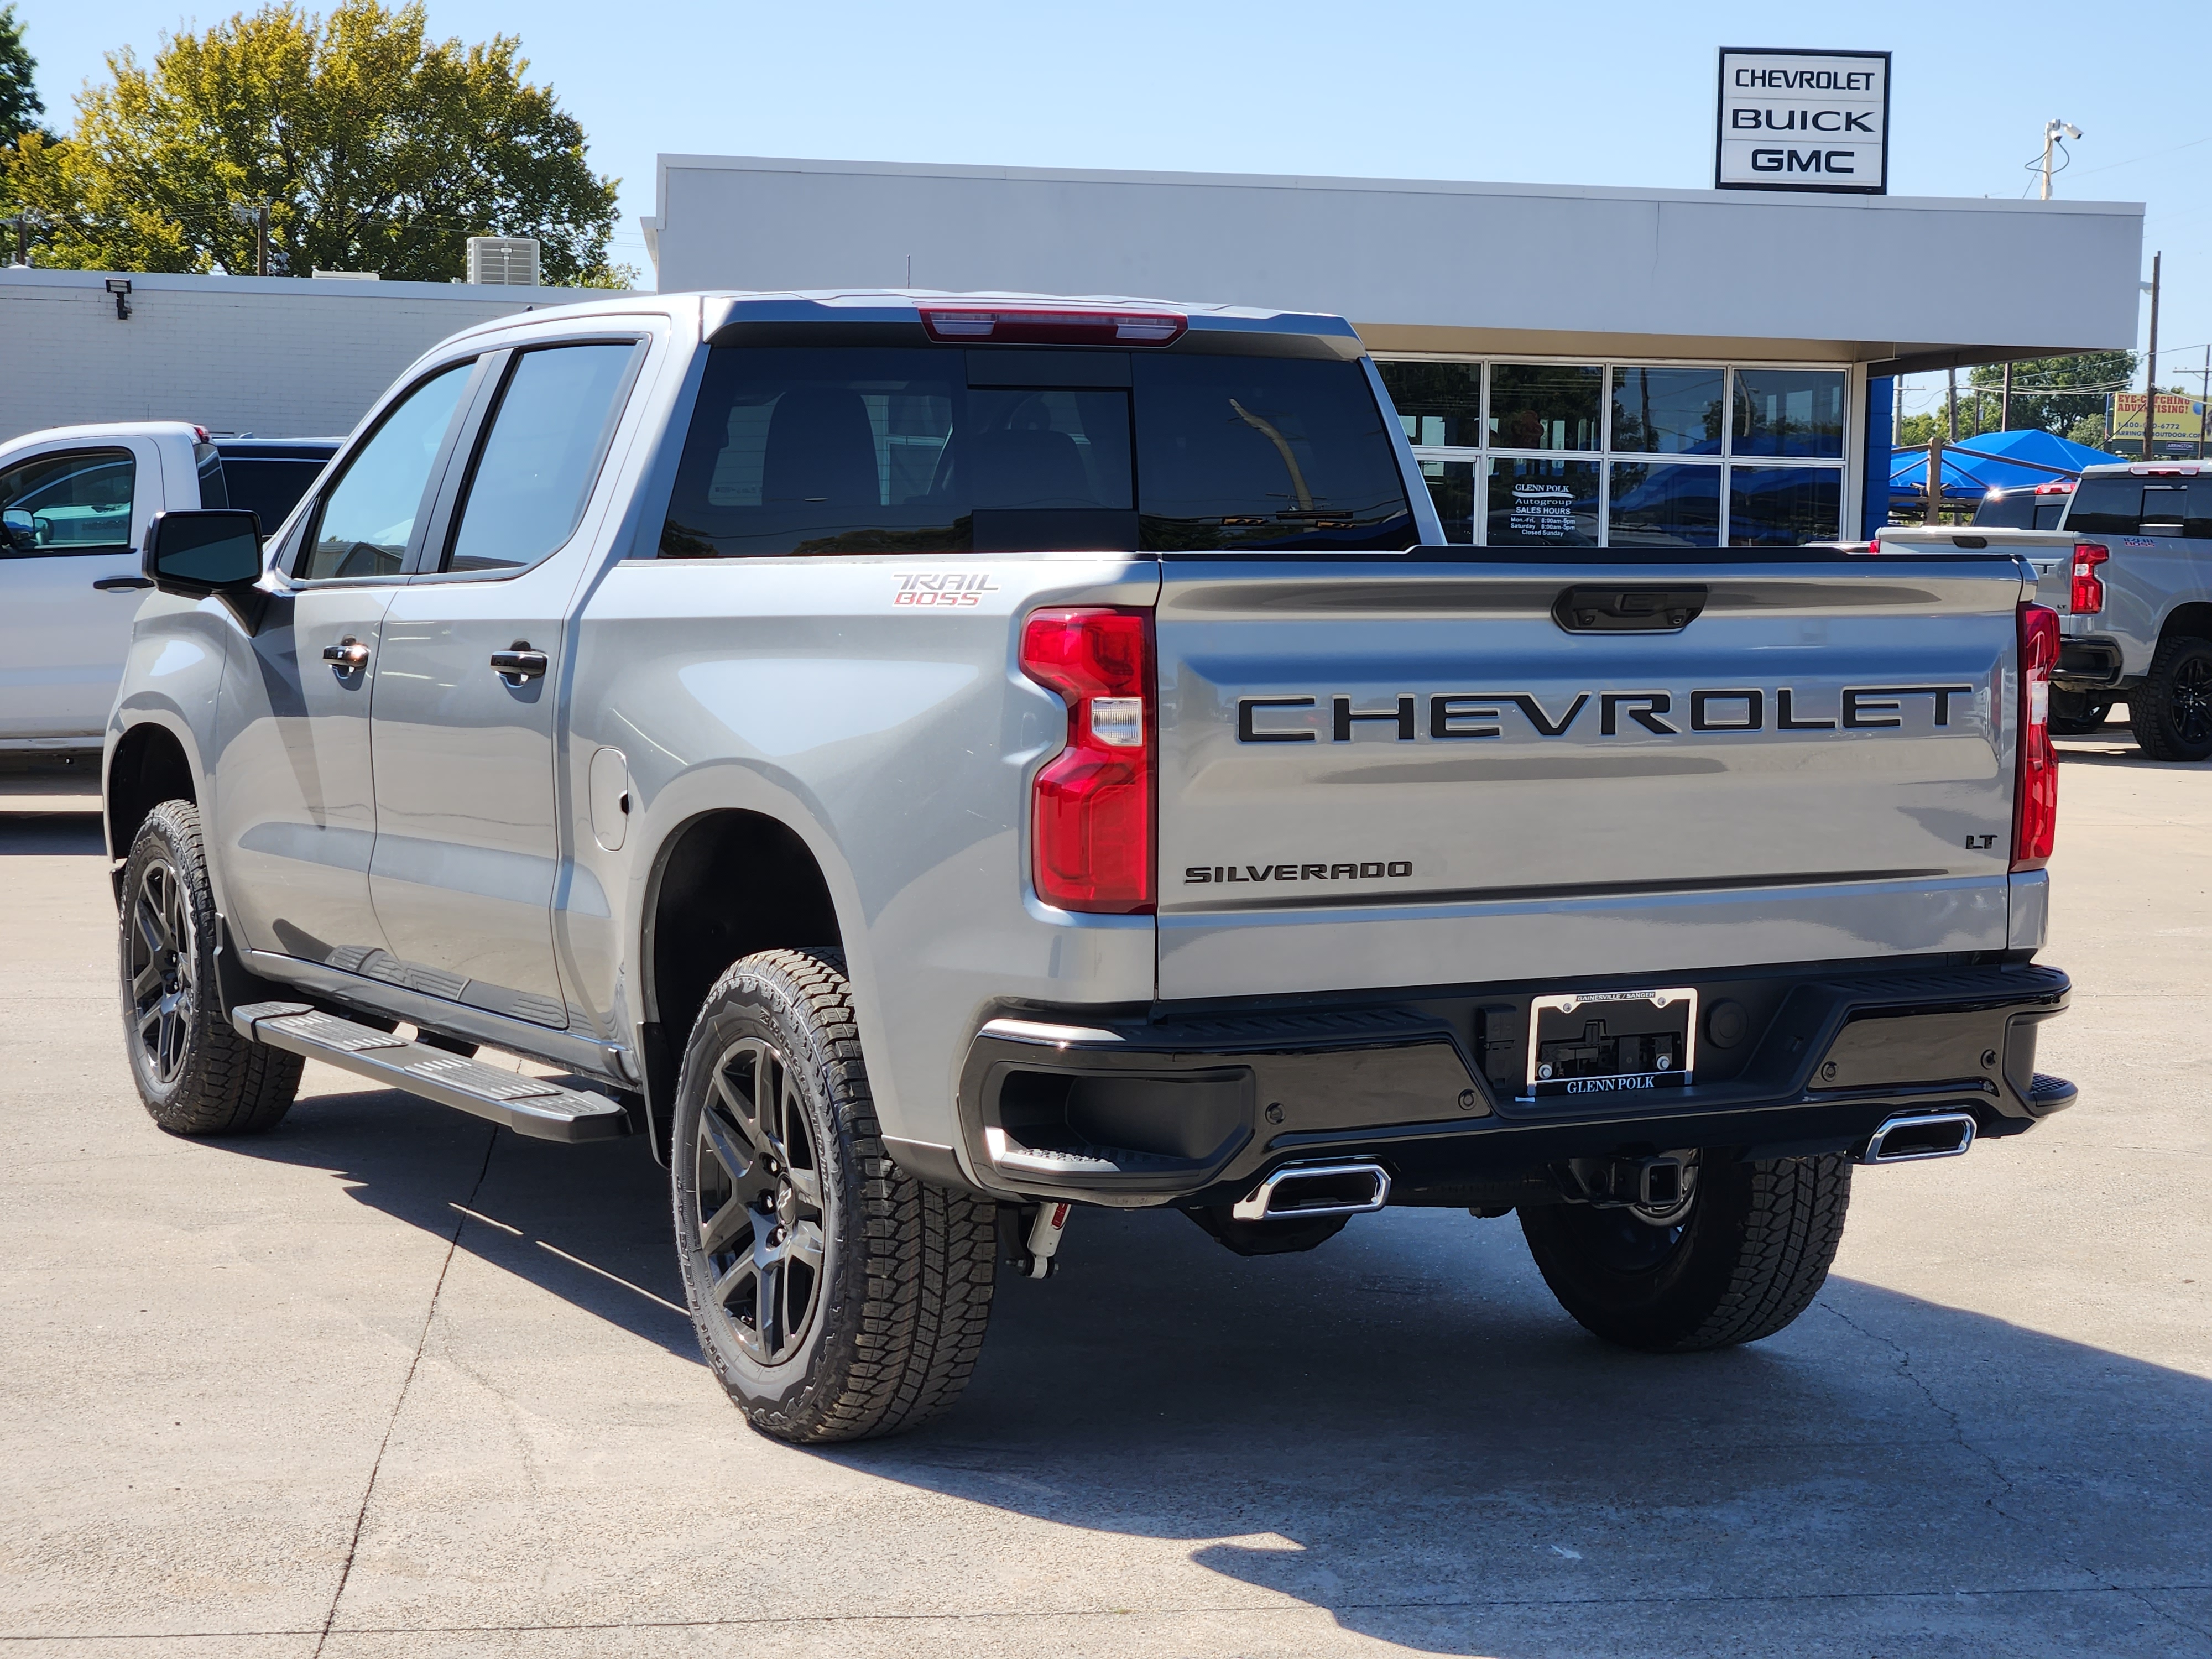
(274, 356)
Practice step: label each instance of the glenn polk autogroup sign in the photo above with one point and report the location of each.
(1803, 120)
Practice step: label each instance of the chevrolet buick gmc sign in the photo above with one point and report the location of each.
(1803, 120)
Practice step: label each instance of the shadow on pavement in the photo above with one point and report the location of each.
(587, 1224)
(47, 835)
(1403, 1430)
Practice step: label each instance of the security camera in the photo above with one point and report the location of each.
(2072, 131)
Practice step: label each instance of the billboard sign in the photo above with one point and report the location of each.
(1802, 120)
(2179, 421)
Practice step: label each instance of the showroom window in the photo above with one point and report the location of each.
(1562, 454)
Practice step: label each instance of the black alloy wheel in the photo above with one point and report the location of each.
(835, 1297)
(160, 968)
(195, 1073)
(758, 1203)
(2171, 712)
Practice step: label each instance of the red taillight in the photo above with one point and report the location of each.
(1090, 820)
(2089, 596)
(2035, 800)
(1028, 326)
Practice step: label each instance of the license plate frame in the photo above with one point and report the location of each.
(1655, 1046)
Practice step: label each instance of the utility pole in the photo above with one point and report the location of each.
(2004, 402)
(2203, 402)
(2150, 373)
(2051, 129)
(258, 217)
(1951, 402)
(23, 221)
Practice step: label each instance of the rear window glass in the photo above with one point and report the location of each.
(1263, 454)
(269, 487)
(797, 450)
(2007, 509)
(2110, 505)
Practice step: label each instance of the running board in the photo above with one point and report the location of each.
(527, 1105)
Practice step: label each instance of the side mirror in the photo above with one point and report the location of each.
(20, 530)
(197, 551)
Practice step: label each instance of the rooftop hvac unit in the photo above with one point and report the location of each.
(507, 259)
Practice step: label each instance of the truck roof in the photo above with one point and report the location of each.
(721, 309)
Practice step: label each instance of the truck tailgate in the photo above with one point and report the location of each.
(1410, 772)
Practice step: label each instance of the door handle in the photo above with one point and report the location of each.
(120, 584)
(348, 656)
(518, 663)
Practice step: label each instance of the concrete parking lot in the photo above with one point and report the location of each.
(388, 1382)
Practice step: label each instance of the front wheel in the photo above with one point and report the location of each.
(2171, 712)
(1740, 1261)
(835, 1297)
(197, 1075)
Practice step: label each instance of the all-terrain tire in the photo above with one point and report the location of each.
(2171, 712)
(1749, 1257)
(196, 1074)
(776, 1161)
(2078, 713)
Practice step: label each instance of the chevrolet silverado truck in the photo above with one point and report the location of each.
(2149, 642)
(936, 765)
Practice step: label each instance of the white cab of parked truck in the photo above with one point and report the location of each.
(74, 502)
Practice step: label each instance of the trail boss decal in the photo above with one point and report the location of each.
(944, 589)
(1446, 715)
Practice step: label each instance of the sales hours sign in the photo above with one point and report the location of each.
(1803, 120)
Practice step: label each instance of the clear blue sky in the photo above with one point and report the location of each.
(1603, 92)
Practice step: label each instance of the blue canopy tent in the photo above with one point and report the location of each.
(1970, 470)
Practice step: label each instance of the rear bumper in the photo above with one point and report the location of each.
(1179, 1107)
(2088, 665)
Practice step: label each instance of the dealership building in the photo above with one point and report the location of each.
(1575, 366)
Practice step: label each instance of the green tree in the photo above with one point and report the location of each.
(376, 148)
(19, 107)
(2057, 393)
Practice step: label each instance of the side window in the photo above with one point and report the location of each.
(78, 502)
(368, 514)
(535, 467)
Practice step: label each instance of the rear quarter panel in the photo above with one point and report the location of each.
(897, 739)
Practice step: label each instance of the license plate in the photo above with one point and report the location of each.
(1586, 1042)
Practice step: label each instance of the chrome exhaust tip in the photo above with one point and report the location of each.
(1301, 1191)
(1910, 1140)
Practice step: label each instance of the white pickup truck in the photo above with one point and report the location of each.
(74, 502)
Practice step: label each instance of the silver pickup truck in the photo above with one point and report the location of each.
(2150, 641)
(933, 764)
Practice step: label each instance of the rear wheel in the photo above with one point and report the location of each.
(196, 1074)
(2078, 713)
(2171, 712)
(1742, 1259)
(835, 1297)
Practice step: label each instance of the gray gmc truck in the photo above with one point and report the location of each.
(933, 763)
